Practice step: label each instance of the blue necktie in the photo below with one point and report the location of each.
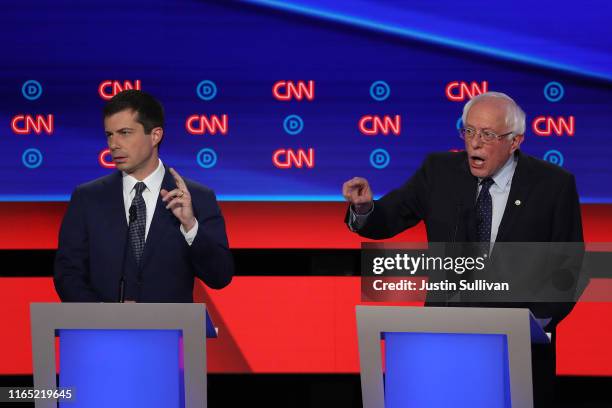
(137, 226)
(484, 211)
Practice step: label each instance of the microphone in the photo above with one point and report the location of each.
(133, 215)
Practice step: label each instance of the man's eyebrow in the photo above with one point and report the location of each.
(108, 132)
(484, 128)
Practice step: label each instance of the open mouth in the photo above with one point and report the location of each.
(477, 161)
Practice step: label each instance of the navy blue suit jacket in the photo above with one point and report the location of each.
(92, 247)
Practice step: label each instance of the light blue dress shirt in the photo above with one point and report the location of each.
(500, 191)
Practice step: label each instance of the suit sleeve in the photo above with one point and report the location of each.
(568, 220)
(210, 254)
(400, 209)
(568, 255)
(71, 272)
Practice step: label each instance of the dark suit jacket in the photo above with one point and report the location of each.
(442, 193)
(92, 247)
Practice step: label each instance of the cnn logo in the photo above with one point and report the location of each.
(107, 89)
(288, 158)
(27, 124)
(547, 125)
(203, 124)
(371, 125)
(459, 91)
(105, 159)
(288, 90)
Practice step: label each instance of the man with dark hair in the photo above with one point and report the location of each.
(150, 111)
(142, 233)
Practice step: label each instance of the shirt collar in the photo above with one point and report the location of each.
(153, 181)
(503, 176)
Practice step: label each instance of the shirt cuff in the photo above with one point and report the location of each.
(190, 236)
(357, 221)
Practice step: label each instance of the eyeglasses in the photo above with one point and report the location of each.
(487, 136)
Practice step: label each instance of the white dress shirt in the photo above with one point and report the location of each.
(150, 195)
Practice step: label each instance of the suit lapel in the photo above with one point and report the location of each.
(466, 200)
(161, 219)
(114, 214)
(521, 183)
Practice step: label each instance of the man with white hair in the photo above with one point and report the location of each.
(491, 192)
(523, 199)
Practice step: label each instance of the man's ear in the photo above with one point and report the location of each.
(516, 142)
(157, 134)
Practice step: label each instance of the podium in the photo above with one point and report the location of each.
(446, 356)
(122, 354)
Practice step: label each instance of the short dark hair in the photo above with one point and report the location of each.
(150, 111)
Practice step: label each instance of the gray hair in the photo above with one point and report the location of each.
(515, 116)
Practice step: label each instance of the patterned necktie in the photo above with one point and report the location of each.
(484, 211)
(138, 223)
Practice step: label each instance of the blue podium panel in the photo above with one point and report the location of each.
(432, 370)
(122, 368)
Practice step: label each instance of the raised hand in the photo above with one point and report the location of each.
(357, 192)
(179, 201)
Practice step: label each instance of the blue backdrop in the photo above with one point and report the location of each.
(554, 58)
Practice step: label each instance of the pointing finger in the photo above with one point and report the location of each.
(180, 183)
